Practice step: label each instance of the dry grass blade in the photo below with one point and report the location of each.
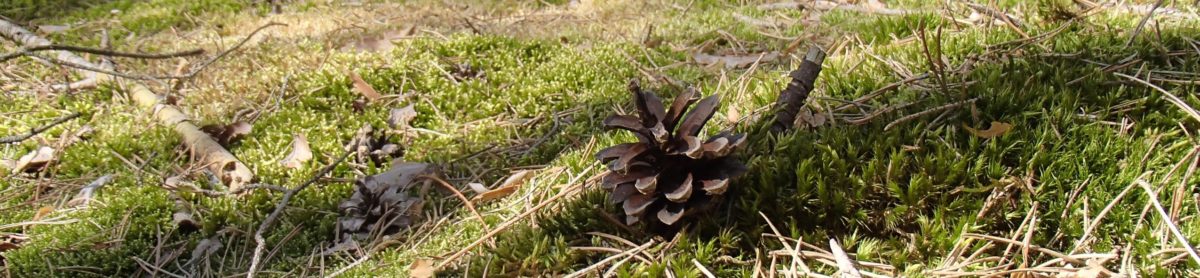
(1053, 253)
(1170, 97)
(504, 226)
(461, 197)
(1166, 218)
(585, 271)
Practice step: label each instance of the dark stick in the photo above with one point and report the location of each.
(21, 137)
(792, 98)
(260, 242)
(104, 52)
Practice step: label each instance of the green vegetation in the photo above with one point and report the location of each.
(897, 189)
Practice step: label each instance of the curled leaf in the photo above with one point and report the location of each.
(997, 129)
(300, 153)
(34, 161)
(400, 117)
(228, 134)
(363, 88)
(421, 268)
(510, 185)
(734, 61)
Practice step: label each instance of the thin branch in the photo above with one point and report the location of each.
(28, 50)
(21, 137)
(260, 242)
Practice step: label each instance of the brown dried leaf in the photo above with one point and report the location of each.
(733, 61)
(300, 153)
(205, 248)
(997, 129)
(34, 161)
(228, 134)
(421, 268)
(363, 88)
(401, 117)
(51, 29)
(510, 185)
(42, 212)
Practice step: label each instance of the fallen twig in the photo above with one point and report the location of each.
(260, 242)
(1170, 97)
(35, 131)
(28, 50)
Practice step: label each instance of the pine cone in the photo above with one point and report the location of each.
(381, 203)
(670, 172)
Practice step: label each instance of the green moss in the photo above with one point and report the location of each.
(902, 196)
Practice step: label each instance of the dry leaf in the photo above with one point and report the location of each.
(182, 66)
(10, 242)
(997, 129)
(363, 88)
(88, 192)
(42, 212)
(401, 117)
(228, 134)
(382, 42)
(733, 61)
(205, 248)
(845, 265)
(477, 187)
(510, 185)
(421, 268)
(300, 153)
(34, 161)
(51, 29)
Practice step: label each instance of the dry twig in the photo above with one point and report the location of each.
(35, 131)
(260, 242)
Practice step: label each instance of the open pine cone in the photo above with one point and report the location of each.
(670, 172)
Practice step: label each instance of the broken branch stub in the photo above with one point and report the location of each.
(792, 98)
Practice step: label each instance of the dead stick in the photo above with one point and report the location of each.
(27, 50)
(21, 137)
(260, 242)
(792, 98)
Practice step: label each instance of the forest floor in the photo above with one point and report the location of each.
(943, 138)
